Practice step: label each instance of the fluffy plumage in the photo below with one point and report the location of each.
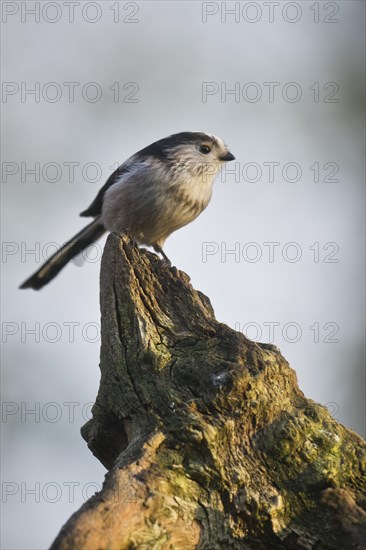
(158, 190)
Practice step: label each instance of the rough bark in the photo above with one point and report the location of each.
(208, 440)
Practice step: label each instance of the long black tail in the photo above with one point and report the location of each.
(72, 248)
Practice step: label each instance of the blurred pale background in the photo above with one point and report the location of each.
(161, 53)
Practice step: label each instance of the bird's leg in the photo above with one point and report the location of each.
(159, 250)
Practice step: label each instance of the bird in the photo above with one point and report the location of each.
(156, 191)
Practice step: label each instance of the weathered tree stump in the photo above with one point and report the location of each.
(208, 440)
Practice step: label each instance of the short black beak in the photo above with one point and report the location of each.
(227, 157)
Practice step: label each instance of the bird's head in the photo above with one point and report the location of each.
(195, 154)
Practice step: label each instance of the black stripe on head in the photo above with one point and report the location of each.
(161, 148)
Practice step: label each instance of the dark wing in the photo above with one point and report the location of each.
(95, 209)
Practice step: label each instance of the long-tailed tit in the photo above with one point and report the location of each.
(155, 192)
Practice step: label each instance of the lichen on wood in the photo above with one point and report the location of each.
(208, 441)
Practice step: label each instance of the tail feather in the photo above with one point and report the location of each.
(69, 250)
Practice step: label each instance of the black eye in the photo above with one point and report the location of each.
(205, 149)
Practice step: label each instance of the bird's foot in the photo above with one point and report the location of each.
(160, 251)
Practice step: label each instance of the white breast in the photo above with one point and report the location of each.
(151, 204)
